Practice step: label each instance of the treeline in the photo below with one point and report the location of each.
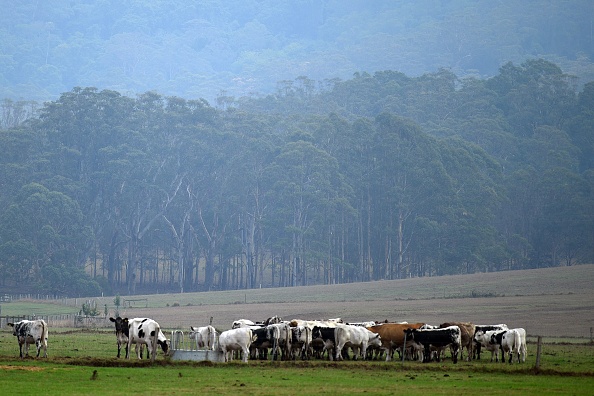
(382, 176)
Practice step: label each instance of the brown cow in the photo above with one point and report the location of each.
(466, 334)
(392, 335)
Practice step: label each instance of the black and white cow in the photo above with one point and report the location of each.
(205, 337)
(301, 342)
(31, 332)
(484, 340)
(323, 340)
(480, 343)
(273, 320)
(260, 344)
(121, 330)
(512, 341)
(281, 336)
(439, 338)
(145, 331)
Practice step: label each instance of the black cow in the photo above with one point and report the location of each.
(328, 341)
(438, 338)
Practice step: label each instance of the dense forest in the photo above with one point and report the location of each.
(381, 176)
(206, 48)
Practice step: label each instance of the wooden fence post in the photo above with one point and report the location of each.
(538, 352)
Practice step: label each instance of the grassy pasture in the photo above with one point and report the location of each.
(82, 361)
(556, 303)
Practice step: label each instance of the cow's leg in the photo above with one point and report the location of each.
(38, 346)
(427, 354)
(128, 347)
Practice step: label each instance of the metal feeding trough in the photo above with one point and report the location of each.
(182, 351)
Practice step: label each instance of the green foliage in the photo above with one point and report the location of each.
(89, 308)
(382, 176)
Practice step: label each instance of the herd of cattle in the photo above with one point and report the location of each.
(305, 339)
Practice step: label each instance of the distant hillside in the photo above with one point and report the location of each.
(240, 48)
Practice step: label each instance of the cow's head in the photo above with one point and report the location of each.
(479, 335)
(410, 334)
(163, 345)
(121, 325)
(19, 329)
(14, 328)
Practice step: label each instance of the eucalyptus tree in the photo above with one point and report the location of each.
(20, 159)
(187, 121)
(408, 180)
(581, 129)
(474, 199)
(304, 181)
(257, 144)
(348, 143)
(534, 93)
(44, 232)
(563, 219)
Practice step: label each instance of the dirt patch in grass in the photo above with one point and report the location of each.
(23, 368)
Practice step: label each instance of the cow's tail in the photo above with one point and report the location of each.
(289, 338)
(307, 344)
(337, 336)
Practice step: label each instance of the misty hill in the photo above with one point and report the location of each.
(241, 48)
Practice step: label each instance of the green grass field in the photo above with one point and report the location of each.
(84, 362)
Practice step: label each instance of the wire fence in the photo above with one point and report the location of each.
(61, 320)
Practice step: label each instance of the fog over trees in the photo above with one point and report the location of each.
(211, 48)
(214, 146)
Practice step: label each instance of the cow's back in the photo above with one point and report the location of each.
(393, 333)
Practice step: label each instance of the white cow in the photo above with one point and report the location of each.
(313, 323)
(238, 339)
(145, 331)
(205, 337)
(355, 337)
(513, 341)
(31, 332)
(242, 323)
